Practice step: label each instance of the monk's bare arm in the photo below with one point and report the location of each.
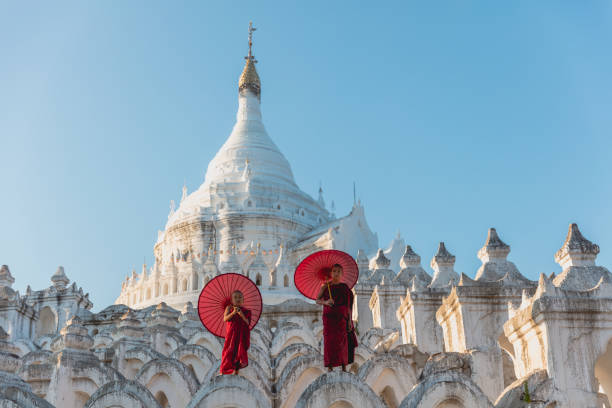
(229, 313)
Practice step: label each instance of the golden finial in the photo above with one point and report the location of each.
(251, 29)
(249, 78)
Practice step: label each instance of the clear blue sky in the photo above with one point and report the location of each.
(451, 117)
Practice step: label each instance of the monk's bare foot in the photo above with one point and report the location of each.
(236, 372)
(330, 369)
(344, 368)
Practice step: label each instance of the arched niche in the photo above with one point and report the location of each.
(389, 396)
(339, 388)
(122, 394)
(446, 390)
(172, 377)
(223, 388)
(160, 396)
(603, 371)
(47, 322)
(198, 358)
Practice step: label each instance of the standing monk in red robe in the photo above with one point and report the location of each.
(237, 336)
(339, 340)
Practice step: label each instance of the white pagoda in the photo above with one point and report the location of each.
(249, 216)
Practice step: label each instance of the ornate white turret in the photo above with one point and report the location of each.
(6, 283)
(143, 274)
(171, 269)
(494, 248)
(230, 264)
(156, 270)
(393, 252)
(411, 270)
(184, 196)
(381, 271)
(210, 267)
(6, 279)
(258, 270)
(73, 336)
(576, 250)
(577, 258)
(59, 278)
(381, 261)
(320, 200)
(442, 263)
(189, 313)
(410, 258)
(495, 266)
(363, 263)
(129, 326)
(282, 273)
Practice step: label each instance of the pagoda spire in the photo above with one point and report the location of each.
(251, 29)
(249, 80)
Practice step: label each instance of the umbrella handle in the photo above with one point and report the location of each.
(329, 290)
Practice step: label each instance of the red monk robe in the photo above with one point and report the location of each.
(338, 343)
(237, 343)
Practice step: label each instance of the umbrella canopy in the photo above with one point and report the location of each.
(315, 270)
(216, 295)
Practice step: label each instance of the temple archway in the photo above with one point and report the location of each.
(224, 388)
(122, 394)
(338, 389)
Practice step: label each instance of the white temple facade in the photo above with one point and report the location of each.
(428, 338)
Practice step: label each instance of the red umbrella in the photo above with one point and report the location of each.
(315, 270)
(216, 295)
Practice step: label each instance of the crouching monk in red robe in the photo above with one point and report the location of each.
(237, 336)
(339, 340)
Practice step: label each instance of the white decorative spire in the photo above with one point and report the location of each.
(282, 268)
(410, 258)
(576, 250)
(59, 278)
(172, 208)
(231, 263)
(259, 267)
(577, 258)
(184, 196)
(495, 266)
(442, 263)
(381, 261)
(320, 200)
(362, 263)
(412, 274)
(494, 248)
(246, 175)
(6, 279)
(381, 271)
(210, 267)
